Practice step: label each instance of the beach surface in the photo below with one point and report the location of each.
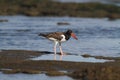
(20, 61)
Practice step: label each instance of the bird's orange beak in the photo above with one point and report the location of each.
(74, 36)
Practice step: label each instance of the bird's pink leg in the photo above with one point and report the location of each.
(61, 50)
(55, 47)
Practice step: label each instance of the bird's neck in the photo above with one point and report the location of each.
(67, 36)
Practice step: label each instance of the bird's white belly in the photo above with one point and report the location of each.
(52, 39)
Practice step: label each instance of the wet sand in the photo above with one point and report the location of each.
(18, 61)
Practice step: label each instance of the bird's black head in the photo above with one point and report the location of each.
(69, 33)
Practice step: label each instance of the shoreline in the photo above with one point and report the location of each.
(40, 8)
(17, 61)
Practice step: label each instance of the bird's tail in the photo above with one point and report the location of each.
(41, 34)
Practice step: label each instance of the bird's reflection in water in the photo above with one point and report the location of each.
(60, 58)
(54, 56)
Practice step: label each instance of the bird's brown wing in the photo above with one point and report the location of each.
(56, 35)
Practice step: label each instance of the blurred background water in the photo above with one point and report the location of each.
(96, 36)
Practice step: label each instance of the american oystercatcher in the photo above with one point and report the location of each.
(59, 37)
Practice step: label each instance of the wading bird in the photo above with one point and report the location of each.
(59, 37)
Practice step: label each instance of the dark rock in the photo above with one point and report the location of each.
(3, 20)
(63, 23)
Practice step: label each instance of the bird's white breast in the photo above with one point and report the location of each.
(63, 38)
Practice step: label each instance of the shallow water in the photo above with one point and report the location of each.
(21, 76)
(72, 58)
(95, 36)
